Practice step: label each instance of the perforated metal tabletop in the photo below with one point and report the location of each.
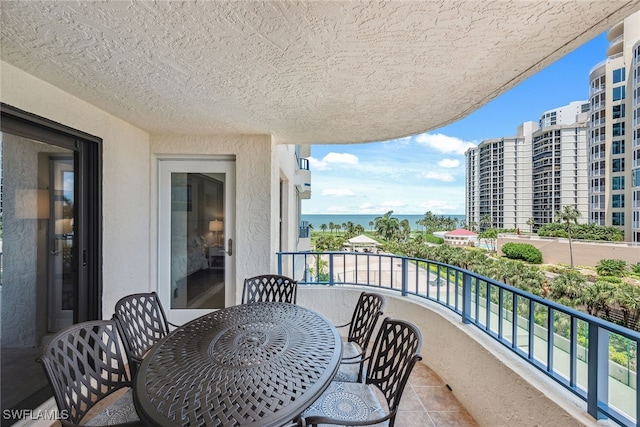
(256, 365)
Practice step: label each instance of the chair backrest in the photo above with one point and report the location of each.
(84, 363)
(394, 354)
(365, 316)
(269, 288)
(142, 323)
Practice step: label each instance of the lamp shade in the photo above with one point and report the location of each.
(215, 225)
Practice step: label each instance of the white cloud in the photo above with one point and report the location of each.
(444, 143)
(400, 141)
(449, 163)
(341, 158)
(338, 192)
(439, 176)
(332, 158)
(366, 205)
(317, 165)
(393, 204)
(438, 207)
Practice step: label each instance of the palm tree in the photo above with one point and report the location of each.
(530, 223)
(371, 224)
(628, 297)
(490, 236)
(598, 297)
(332, 226)
(349, 229)
(450, 223)
(323, 227)
(611, 267)
(387, 226)
(486, 222)
(405, 229)
(568, 287)
(568, 214)
(430, 221)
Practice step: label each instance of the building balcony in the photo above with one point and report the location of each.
(303, 179)
(487, 353)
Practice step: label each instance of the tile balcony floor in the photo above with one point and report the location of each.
(427, 402)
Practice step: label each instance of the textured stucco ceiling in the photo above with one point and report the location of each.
(305, 72)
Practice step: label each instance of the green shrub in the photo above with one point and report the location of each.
(523, 251)
(609, 279)
(582, 231)
(611, 267)
(434, 239)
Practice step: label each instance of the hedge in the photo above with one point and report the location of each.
(523, 251)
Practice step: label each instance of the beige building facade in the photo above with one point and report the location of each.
(614, 140)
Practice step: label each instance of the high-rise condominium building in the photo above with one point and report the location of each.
(532, 175)
(498, 181)
(559, 174)
(614, 132)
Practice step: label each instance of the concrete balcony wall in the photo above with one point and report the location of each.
(498, 388)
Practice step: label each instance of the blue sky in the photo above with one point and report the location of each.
(425, 172)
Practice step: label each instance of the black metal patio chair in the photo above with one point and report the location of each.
(365, 316)
(84, 365)
(269, 288)
(142, 323)
(395, 352)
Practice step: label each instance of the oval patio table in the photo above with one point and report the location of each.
(258, 364)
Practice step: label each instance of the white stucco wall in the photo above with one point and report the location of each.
(256, 222)
(497, 387)
(130, 158)
(285, 162)
(125, 180)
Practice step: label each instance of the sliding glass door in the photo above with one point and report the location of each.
(49, 245)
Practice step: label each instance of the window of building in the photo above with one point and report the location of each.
(617, 165)
(617, 183)
(617, 201)
(617, 147)
(636, 178)
(619, 75)
(619, 93)
(618, 111)
(617, 218)
(618, 129)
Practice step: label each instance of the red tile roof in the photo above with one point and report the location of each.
(461, 232)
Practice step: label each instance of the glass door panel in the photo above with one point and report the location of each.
(197, 236)
(61, 267)
(195, 247)
(36, 244)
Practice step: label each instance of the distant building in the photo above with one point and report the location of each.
(532, 175)
(559, 163)
(614, 132)
(460, 237)
(498, 180)
(565, 115)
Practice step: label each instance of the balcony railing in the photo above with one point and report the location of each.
(574, 350)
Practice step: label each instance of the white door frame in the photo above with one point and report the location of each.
(222, 165)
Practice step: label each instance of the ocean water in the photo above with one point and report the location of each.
(318, 219)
